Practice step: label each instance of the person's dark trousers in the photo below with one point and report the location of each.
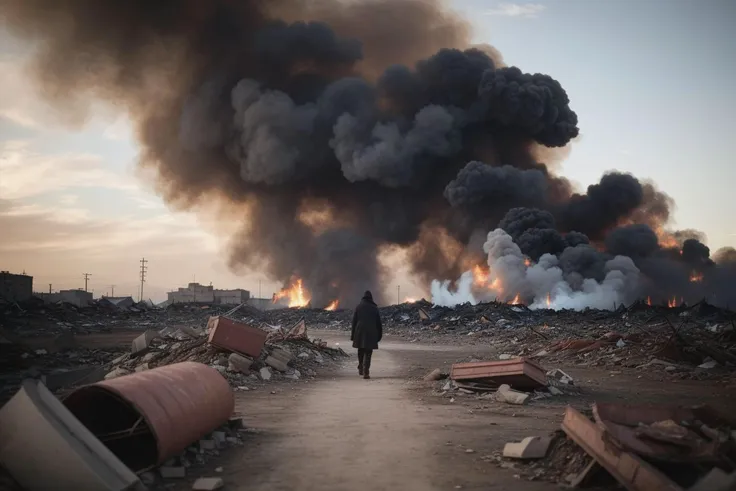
(364, 361)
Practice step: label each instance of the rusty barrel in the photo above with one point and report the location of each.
(148, 417)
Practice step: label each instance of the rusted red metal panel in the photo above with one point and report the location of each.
(519, 373)
(628, 469)
(147, 417)
(236, 336)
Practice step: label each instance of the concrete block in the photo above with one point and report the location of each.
(506, 394)
(220, 437)
(239, 363)
(435, 374)
(531, 447)
(207, 444)
(207, 484)
(142, 343)
(276, 364)
(265, 373)
(172, 472)
(282, 354)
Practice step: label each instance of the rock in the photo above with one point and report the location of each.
(448, 386)
(670, 368)
(142, 367)
(142, 343)
(620, 343)
(148, 478)
(220, 368)
(318, 358)
(469, 450)
(555, 391)
(41, 352)
(219, 437)
(207, 444)
(118, 372)
(506, 394)
(505, 356)
(435, 374)
(265, 373)
(120, 359)
(218, 469)
(303, 355)
(172, 472)
(222, 361)
(239, 363)
(276, 364)
(295, 375)
(560, 377)
(207, 484)
(708, 363)
(531, 447)
(542, 353)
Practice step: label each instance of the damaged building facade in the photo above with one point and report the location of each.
(196, 293)
(15, 287)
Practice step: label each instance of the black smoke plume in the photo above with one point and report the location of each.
(337, 130)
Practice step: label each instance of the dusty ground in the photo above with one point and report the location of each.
(392, 432)
(342, 432)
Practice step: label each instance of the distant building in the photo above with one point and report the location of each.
(79, 298)
(15, 287)
(263, 303)
(119, 302)
(196, 293)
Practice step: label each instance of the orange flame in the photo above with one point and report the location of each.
(549, 301)
(527, 262)
(410, 300)
(696, 277)
(333, 305)
(496, 285)
(649, 301)
(298, 296)
(672, 303)
(480, 276)
(516, 300)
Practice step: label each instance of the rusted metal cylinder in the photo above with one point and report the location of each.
(147, 417)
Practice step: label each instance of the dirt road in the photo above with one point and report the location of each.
(353, 434)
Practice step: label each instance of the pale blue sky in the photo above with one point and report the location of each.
(652, 83)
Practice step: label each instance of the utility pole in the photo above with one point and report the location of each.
(143, 276)
(398, 294)
(86, 278)
(259, 288)
(112, 290)
(49, 288)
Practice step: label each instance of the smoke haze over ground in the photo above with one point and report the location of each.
(339, 131)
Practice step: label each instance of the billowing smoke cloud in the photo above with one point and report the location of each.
(336, 130)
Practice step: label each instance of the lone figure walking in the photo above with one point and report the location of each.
(367, 332)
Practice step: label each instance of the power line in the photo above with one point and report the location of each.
(143, 276)
(86, 278)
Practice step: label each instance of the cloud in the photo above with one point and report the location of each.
(528, 10)
(26, 173)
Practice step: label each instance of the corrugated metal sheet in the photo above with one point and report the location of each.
(236, 336)
(148, 417)
(519, 373)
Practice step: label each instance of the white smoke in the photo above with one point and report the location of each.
(543, 284)
(442, 296)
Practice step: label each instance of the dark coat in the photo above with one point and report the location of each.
(367, 329)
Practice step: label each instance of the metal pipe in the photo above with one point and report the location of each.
(178, 403)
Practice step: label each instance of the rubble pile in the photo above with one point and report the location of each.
(290, 357)
(35, 318)
(196, 455)
(640, 447)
